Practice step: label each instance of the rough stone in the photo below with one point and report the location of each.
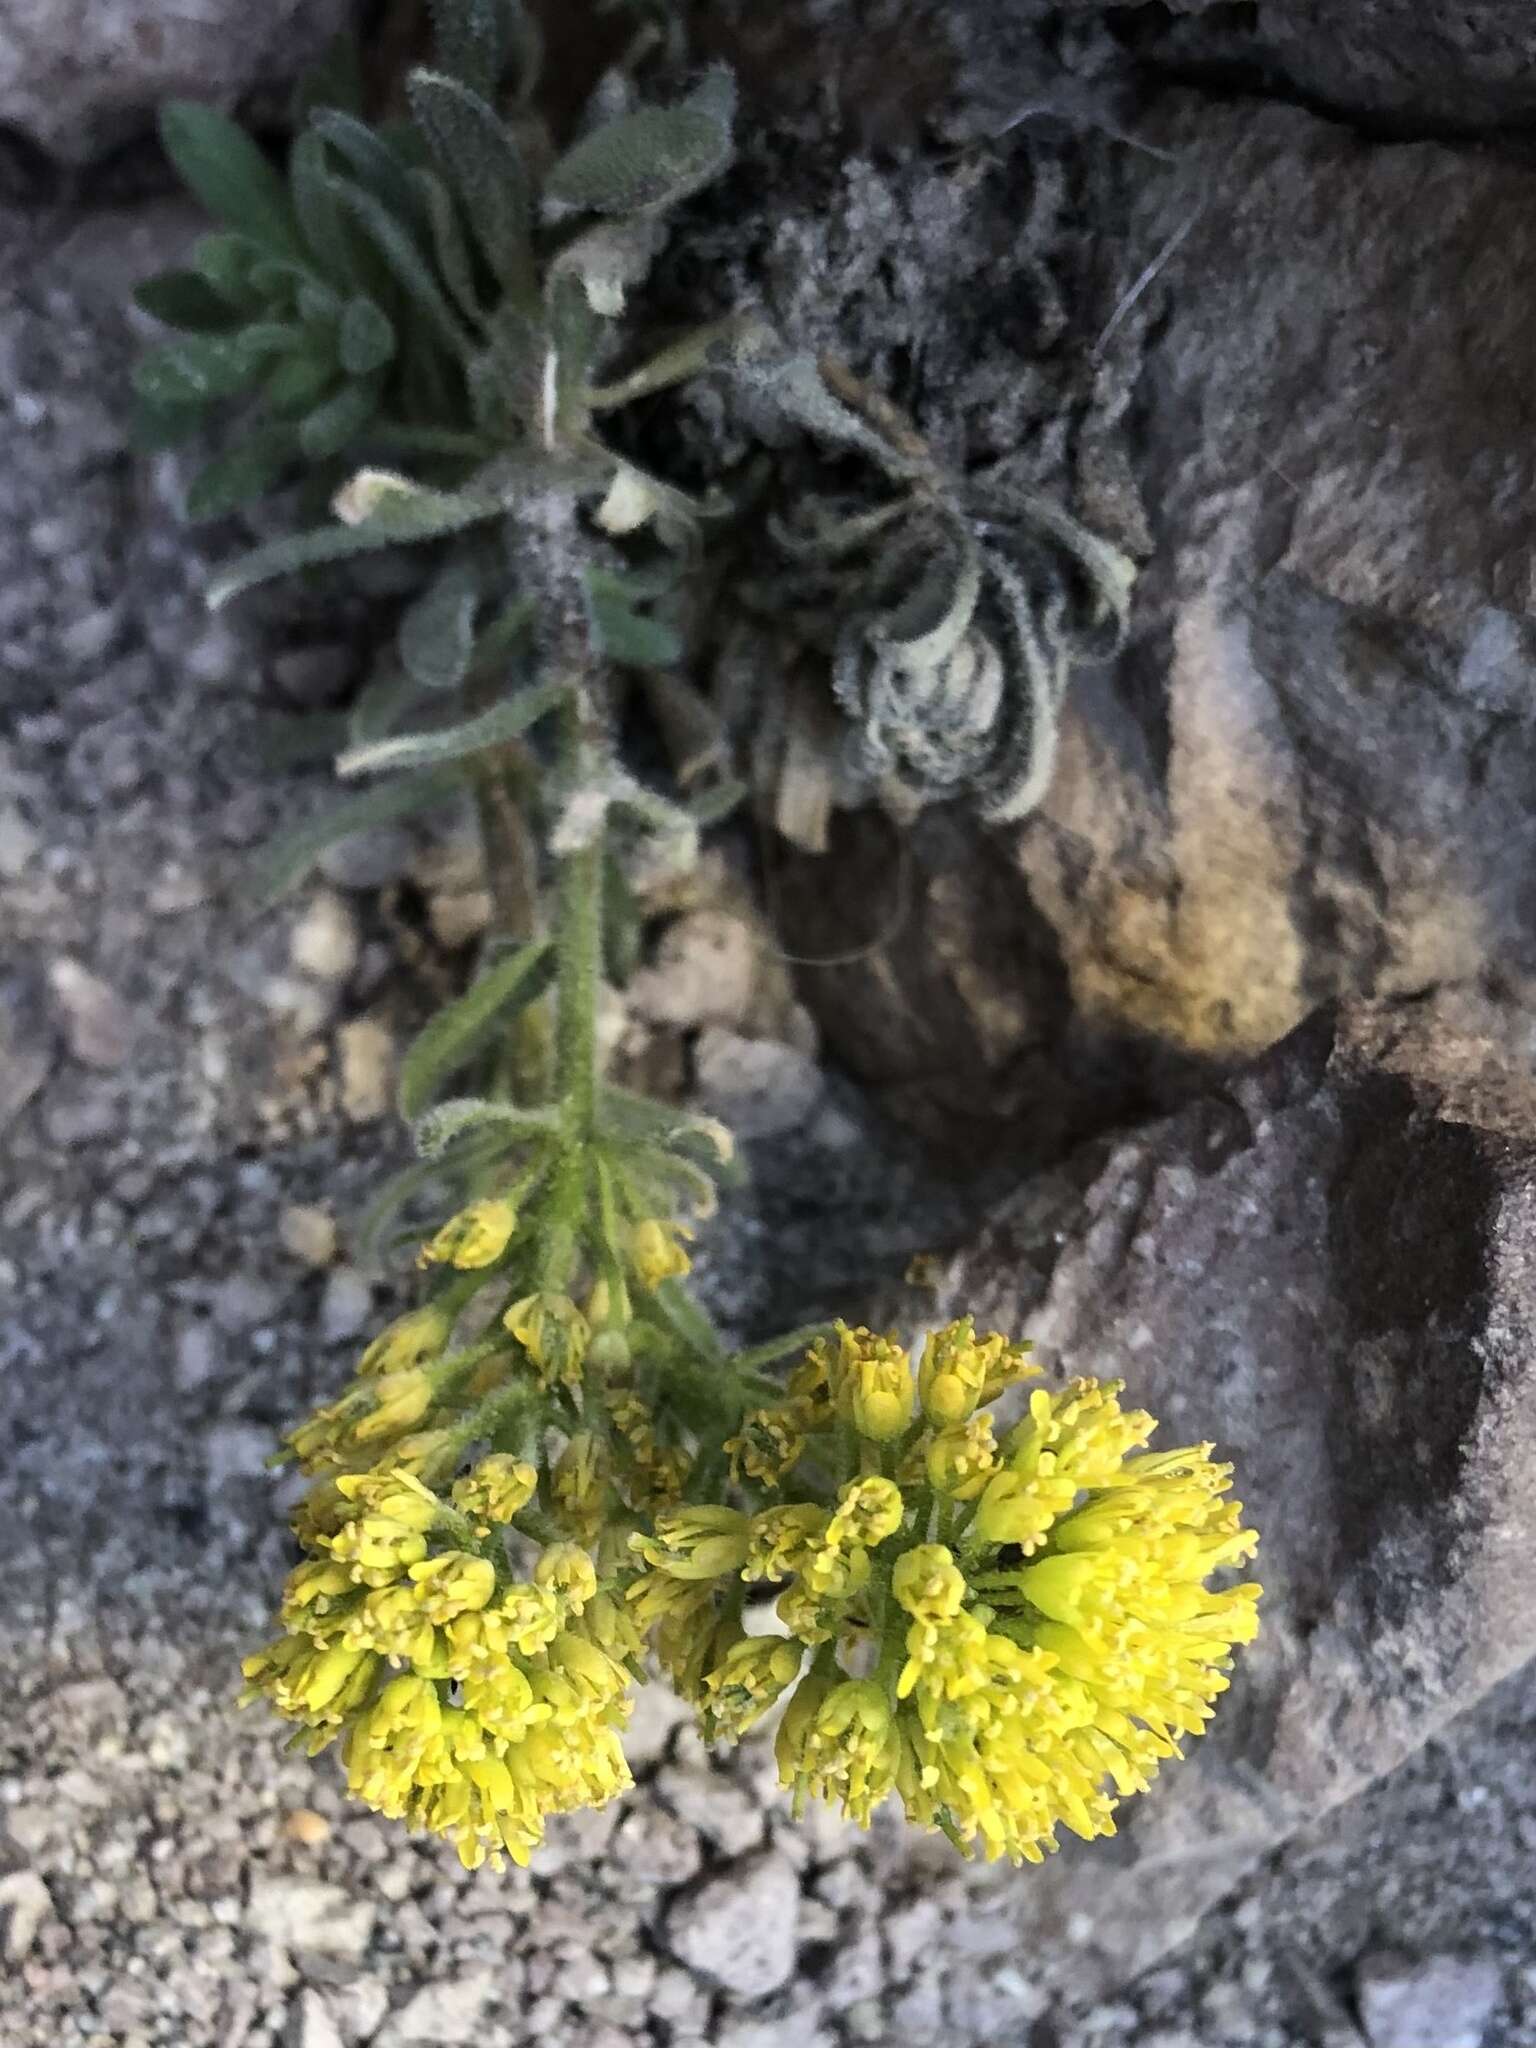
(448, 2011)
(308, 1914)
(308, 1232)
(77, 94)
(25, 1903)
(1337, 1284)
(738, 1927)
(1435, 2002)
(757, 1087)
(346, 1305)
(98, 1025)
(311, 2024)
(325, 942)
(1307, 775)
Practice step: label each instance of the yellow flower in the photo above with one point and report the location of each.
(656, 1252)
(312, 1596)
(754, 1672)
(928, 1583)
(868, 1378)
(769, 1445)
(695, 1543)
(532, 1616)
(955, 1369)
(783, 1541)
(453, 1583)
(553, 1331)
(566, 1570)
(868, 1510)
(962, 1459)
(409, 1342)
(476, 1237)
(494, 1490)
(400, 1401)
(308, 1681)
(847, 1749)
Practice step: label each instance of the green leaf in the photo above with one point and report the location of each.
(229, 174)
(158, 425)
(320, 216)
(485, 167)
(379, 707)
(198, 369)
(366, 339)
(439, 1128)
(374, 164)
(456, 1035)
(254, 466)
(437, 634)
(292, 855)
(505, 721)
(334, 425)
(299, 382)
(395, 244)
(415, 515)
(623, 925)
(183, 299)
(471, 38)
(225, 261)
(450, 245)
(647, 159)
(622, 633)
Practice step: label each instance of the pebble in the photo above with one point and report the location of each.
(1428, 2002)
(197, 1357)
(459, 917)
(366, 1049)
(306, 1914)
(98, 1025)
(370, 859)
(656, 1847)
(704, 972)
(25, 1903)
(346, 1305)
(306, 1827)
(325, 942)
(447, 2011)
(721, 1810)
(755, 1085)
(739, 1927)
(308, 1233)
(311, 2025)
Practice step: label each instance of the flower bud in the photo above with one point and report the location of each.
(476, 1237)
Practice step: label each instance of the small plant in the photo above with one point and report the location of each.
(553, 1467)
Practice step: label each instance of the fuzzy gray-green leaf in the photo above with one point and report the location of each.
(471, 39)
(248, 470)
(439, 1128)
(229, 175)
(399, 250)
(365, 339)
(484, 165)
(183, 299)
(416, 515)
(505, 721)
(457, 1034)
(647, 159)
(333, 426)
(437, 634)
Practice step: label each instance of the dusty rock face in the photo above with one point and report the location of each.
(1338, 1285)
(1309, 774)
(75, 94)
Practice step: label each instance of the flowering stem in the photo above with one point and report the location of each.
(579, 954)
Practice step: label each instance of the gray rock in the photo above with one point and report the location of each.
(98, 1025)
(717, 1807)
(738, 1927)
(755, 1085)
(447, 2011)
(793, 2030)
(310, 2024)
(370, 859)
(25, 1903)
(656, 1847)
(77, 94)
(306, 1914)
(1433, 2002)
(1316, 1270)
(346, 1305)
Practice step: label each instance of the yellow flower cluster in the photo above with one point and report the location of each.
(1010, 1636)
(466, 1701)
(1006, 1627)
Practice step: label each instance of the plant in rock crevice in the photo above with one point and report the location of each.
(553, 1466)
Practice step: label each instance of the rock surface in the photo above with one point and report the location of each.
(76, 94)
(1338, 1285)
